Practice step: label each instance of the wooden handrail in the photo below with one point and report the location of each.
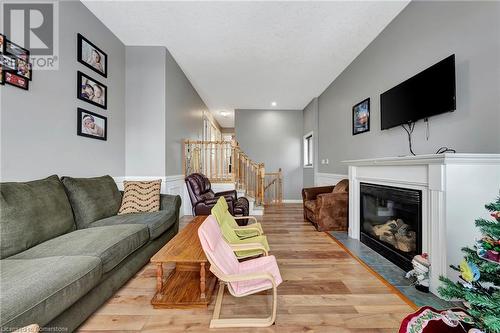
(224, 161)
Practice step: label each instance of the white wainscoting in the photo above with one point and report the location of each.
(325, 179)
(169, 185)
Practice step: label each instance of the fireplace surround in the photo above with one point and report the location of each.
(391, 222)
(454, 188)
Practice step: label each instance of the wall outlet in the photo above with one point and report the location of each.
(326, 161)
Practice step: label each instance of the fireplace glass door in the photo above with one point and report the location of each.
(391, 222)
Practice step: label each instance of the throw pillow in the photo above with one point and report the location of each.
(140, 197)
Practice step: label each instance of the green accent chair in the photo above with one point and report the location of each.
(221, 213)
(243, 248)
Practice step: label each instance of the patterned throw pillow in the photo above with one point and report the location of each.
(140, 197)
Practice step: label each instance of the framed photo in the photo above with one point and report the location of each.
(2, 80)
(92, 56)
(92, 125)
(91, 91)
(23, 68)
(2, 43)
(16, 50)
(361, 117)
(8, 62)
(16, 80)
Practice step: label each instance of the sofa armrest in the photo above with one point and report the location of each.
(168, 201)
(311, 193)
(332, 202)
(231, 194)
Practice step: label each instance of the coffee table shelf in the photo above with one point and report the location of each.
(190, 284)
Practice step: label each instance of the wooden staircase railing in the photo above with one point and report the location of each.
(273, 188)
(225, 162)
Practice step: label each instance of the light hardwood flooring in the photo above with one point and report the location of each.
(324, 290)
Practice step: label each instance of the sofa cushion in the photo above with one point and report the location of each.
(92, 199)
(111, 244)
(32, 212)
(157, 222)
(38, 290)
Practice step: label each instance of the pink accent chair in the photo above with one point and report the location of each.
(242, 278)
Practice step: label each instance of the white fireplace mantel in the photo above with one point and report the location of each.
(454, 188)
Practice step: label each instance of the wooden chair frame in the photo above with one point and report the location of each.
(217, 322)
(247, 227)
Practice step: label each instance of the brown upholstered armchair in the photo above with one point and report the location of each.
(327, 207)
(203, 198)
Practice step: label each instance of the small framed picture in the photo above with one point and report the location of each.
(8, 62)
(23, 68)
(16, 50)
(361, 117)
(2, 80)
(92, 125)
(16, 80)
(2, 43)
(91, 91)
(92, 56)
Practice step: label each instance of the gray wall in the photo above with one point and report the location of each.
(274, 137)
(38, 127)
(310, 124)
(163, 109)
(184, 117)
(145, 126)
(424, 33)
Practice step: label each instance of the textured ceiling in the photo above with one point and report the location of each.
(248, 54)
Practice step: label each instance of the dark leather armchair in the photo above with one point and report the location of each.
(327, 207)
(203, 198)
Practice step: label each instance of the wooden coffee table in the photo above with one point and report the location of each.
(190, 284)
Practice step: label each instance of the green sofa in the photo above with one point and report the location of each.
(64, 251)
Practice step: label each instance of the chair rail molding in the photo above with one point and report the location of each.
(455, 188)
(325, 179)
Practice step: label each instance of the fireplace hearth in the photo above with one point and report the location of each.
(391, 222)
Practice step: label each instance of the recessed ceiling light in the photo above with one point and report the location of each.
(274, 103)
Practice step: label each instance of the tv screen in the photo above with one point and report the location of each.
(426, 94)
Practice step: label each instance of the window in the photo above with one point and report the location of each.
(308, 150)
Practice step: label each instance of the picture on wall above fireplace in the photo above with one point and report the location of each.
(361, 117)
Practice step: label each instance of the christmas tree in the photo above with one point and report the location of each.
(479, 284)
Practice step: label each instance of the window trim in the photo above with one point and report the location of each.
(309, 137)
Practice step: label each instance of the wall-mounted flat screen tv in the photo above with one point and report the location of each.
(426, 94)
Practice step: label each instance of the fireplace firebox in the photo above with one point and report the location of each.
(391, 222)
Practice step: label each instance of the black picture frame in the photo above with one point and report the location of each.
(15, 80)
(19, 64)
(81, 113)
(80, 40)
(15, 50)
(81, 96)
(358, 124)
(2, 43)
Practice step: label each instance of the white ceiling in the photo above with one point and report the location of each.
(247, 54)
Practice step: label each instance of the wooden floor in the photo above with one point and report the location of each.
(324, 290)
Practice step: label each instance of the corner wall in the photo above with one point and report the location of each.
(274, 137)
(38, 127)
(424, 33)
